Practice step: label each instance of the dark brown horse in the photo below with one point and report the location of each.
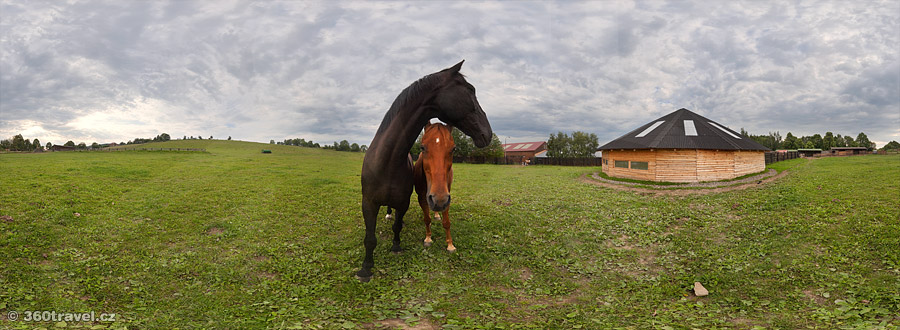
(433, 174)
(387, 171)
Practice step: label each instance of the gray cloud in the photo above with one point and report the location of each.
(326, 71)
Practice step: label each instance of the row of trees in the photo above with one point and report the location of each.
(774, 141)
(19, 143)
(579, 145)
(345, 145)
(298, 142)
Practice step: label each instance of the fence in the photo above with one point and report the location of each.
(774, 156)
(519, 160)
(137, 149)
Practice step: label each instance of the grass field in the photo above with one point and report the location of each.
(233, 238)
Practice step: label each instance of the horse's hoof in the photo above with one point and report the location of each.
(364, 276)
(451, 249)
(396, 250)
(388, 217)
(427, 241)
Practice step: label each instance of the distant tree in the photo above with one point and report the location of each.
(36, 144)
(354, 147)
(828, 141)
(464, 144)
(863, 141)
(893, 145)
(790, 142)
(816, 140)
(584, 144)
(184, 138)
(82, 145)
(839, 141)
(344, 146)
(559, 145)
(849, 141)
(271, 141)
(6, 144)
(363, 148)
(199, 137)
(49, 145)
(95, 145)
(493, 150)
(18, 143)
(229, 138)
(69, 143)
(210, 137)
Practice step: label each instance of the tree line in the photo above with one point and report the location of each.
(579, 145)
(774, 141)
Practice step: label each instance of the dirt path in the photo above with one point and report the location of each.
(750, 182)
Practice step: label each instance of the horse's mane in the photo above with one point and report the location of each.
(414, 91)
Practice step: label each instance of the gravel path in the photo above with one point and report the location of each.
(757, 178)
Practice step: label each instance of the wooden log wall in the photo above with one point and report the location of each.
(684, 165)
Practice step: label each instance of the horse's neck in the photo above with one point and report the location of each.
(401, 132)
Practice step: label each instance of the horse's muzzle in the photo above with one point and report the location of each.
(438, 204)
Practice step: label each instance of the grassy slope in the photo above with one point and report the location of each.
(235, 238)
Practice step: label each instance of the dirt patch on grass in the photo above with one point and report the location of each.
(422, 324)
(6, 218)
(215, 231)
(819, 300)
(595, 180)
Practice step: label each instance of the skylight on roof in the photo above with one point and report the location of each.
(649, 129)
(689, 129)
(519, 146)
(724, 130)
(527, 146)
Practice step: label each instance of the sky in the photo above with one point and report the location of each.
(112, 71)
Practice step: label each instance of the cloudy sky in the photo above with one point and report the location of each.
(110, 71)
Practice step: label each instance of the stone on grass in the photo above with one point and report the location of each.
(699, 290)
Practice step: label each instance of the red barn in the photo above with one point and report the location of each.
(524, 150)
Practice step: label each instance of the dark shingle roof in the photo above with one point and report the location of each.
(669, 132)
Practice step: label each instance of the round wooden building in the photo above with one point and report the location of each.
(682, 147)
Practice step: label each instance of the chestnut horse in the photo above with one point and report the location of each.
(387, 170)
(433, 174)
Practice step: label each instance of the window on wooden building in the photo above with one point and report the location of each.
(622, 163)
(639, 165)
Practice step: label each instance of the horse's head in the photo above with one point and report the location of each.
(437, 159)
(458, 106)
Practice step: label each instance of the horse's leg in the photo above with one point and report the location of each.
(388, 216)
(445, 220)
(426, 217)
(370, 212)
(398, 226)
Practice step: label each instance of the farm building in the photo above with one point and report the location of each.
(810, 152)
(525, 151)
(61, 148)
(682, 147)
(847, 151)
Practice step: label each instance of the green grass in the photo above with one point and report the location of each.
(233, 238)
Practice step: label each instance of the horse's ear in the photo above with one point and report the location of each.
(456, 67)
